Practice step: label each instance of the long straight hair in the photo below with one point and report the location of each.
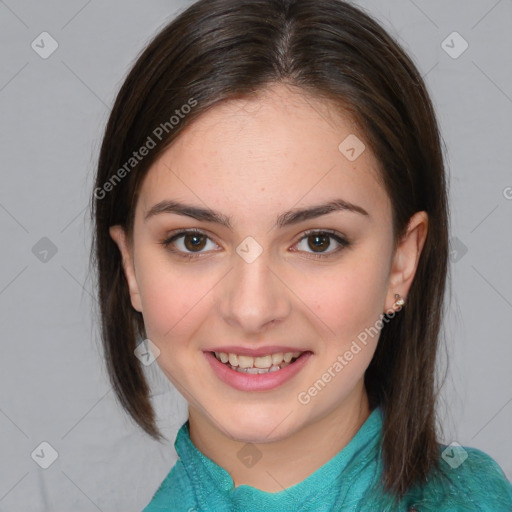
(218, 50)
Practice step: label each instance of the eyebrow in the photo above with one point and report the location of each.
(288, 218)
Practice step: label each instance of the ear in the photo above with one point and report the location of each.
(118, 234)
(405, 260)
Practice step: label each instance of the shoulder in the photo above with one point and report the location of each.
(174, 493)
(467, 480)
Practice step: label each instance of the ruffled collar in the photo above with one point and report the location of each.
(353, 470)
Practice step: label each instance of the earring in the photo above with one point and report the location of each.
(399, 301)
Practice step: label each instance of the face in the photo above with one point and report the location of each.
(257, 278)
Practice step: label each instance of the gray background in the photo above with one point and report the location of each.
(52, 382)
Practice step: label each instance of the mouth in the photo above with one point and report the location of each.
(262, 373)
(257, 365)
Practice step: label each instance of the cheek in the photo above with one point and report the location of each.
(171, 310)
(348, 300)
(173, 299)
(347, 306)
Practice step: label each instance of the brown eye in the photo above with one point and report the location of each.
(188, 243)
(194, 241)
(319, 241)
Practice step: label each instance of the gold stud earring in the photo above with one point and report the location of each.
(399, 301)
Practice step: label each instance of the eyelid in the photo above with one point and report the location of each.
(340, 239)
(181, 232)
(176, 233)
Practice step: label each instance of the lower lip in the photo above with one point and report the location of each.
(258, 381)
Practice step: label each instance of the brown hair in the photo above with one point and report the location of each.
(222, 49)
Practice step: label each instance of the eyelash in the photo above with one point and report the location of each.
(344, 243)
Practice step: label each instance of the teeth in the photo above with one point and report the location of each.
(261, 364)
(243, 361)
(277, 358)
(256, 370)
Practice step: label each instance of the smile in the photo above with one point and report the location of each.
(257, 365)
(260, 373)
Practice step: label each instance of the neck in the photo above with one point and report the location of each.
(288, 461)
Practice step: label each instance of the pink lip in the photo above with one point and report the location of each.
(256, 382)
(260, 351)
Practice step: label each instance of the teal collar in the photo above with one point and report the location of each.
(349, 475)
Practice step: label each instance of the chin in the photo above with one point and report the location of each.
(257, 428)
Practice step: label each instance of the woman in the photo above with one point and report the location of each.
(271, 219)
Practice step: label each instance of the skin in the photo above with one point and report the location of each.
(252, 160)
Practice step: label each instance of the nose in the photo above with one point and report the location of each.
(254, 296)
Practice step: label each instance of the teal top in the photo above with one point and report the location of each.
(471, 481)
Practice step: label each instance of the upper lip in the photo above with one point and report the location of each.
(256, 352)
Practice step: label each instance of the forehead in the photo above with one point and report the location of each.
(277, 147)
